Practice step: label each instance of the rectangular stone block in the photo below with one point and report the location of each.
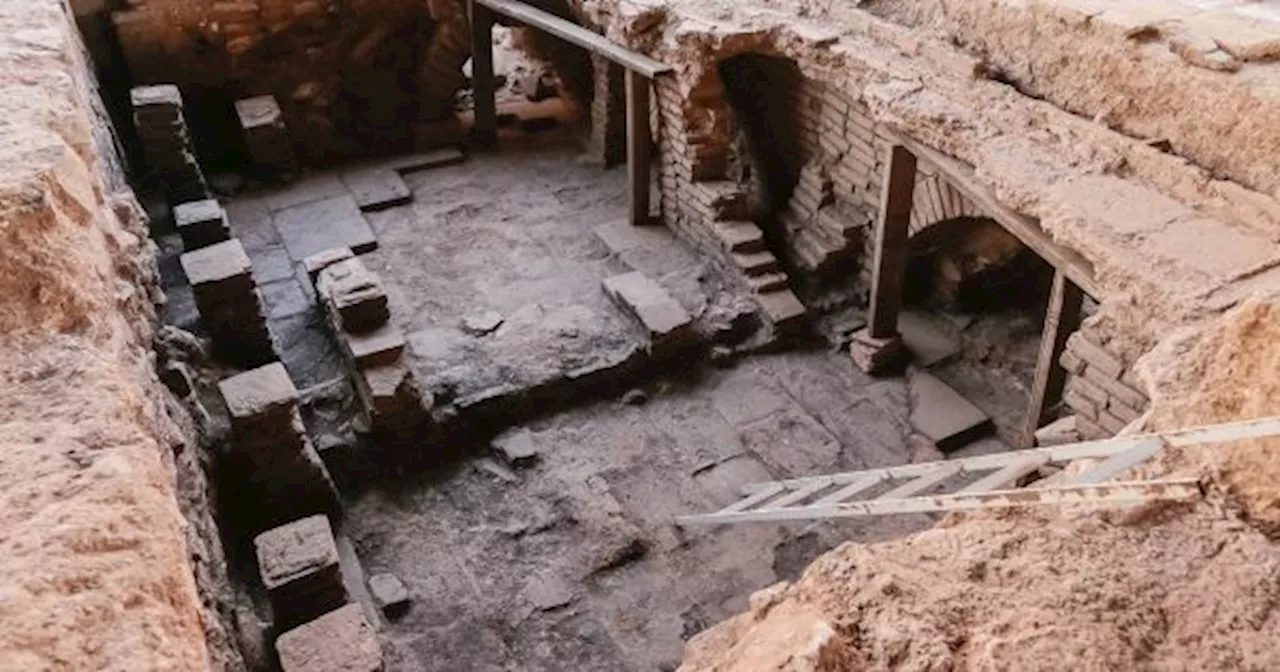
(299, 566)
(322, 260)
(201, 223)
(375, 348)
(221, 265)
(667, 323)
(353, 295)
(155, 94)
(265, 392)
(1095, 356)
(376, 188)
(339, 641)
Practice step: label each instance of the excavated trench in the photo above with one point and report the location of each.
(500, 452)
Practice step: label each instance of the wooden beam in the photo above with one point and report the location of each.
(889, 260)
(1061, 318)
(575, 34)
(483, 81)
(639, 146)
(1026, 229)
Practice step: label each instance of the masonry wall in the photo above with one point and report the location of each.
(1102, 390)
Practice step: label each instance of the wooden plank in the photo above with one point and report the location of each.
(1007, 476)
(800, 494)
(752, 500)
(923, 482)
(639, 146)
(1062, 317)
(1232, 431)
(575, 34)
(889, 261)
(1116, 464)
(1105, 494)
(849, 490)
(1026, 229)
(483, 81)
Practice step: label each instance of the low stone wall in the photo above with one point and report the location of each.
(1102, 389)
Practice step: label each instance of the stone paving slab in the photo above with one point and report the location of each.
(307, 190)
(323, 224)
(376, 188)
(942, 415)
(928, 340)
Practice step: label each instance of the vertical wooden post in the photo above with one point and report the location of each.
(638, 145)
(889, 262)
(1062, 317)
(482, 77)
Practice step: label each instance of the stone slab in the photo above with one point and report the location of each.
(782, 308)
(660, 314)
(290, 552)
(307, 190)
(354, 295)
(445, 156)
(258, 111)
(621, 236)
(943, 416)
(156, 94)
(376, 188)
(929, 342)
(389, 593)
(339, 641)
(324, 259)
(216, 263)
(260, 391)
(375, 348)
(324, 224)
(516, 448)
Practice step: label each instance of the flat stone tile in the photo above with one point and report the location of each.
(284, 298)
(927, 338)
(622, 235)
(792, 443)
(250, 221)
(942, 415)
(741, 399)
(307, 350)
(324, 224)
(307, 190)
(271, 264)
(376, 188)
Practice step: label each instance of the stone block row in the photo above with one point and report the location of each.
(166, 142)
(356, 308)
(230, 305)
(284, 473)
(1101, 389)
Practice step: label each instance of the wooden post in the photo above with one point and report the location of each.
(482, 77)
(1061, 318)
(638, 145)
(889, 264)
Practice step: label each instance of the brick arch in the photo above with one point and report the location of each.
(936, 200)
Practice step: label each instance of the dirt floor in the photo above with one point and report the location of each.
(572, 561)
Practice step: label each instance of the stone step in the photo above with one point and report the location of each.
(666, 321)
(782, 308)
(767, 283)
(756, 263)
(740, 236)
(815, 251)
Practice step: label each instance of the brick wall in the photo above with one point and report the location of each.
(1101, 388)
(606, 142)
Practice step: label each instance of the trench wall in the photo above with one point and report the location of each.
(97, 461)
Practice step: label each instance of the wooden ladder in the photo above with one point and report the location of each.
(838, 495)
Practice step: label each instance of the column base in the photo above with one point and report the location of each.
(878, 356)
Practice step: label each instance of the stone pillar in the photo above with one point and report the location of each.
(266, 137)
(299, 566)
(229, 303)
(166, 142)
(284, 474)
(201, 224)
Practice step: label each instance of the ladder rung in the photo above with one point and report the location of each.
(849, 490)
(1006, 476)
(799, 495)
(1118, 463)
(751, 500)
(923, 482)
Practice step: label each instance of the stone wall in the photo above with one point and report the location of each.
(1102, 389)
(350, 77)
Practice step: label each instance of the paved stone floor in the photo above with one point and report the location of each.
(573, 563)
(526, 568)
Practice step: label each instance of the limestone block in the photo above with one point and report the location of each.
(339, 641)
(201, 223)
